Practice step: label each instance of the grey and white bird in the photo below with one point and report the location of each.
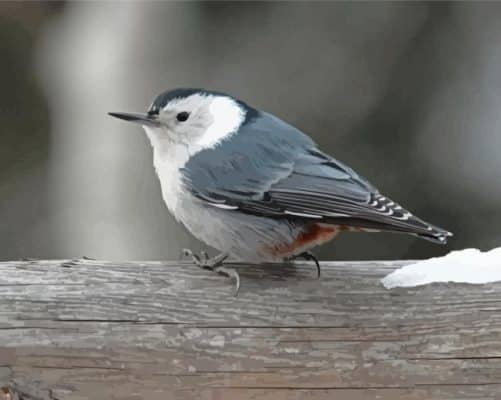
(254, 187)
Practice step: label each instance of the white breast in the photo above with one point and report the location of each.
(168, 159)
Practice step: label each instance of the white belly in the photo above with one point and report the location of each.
(245, 237)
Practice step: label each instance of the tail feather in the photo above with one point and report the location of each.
(436, 235)
(405, 221)
(392, 217)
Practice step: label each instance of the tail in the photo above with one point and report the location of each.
(402, 220)
(389, 216)
(436, 234)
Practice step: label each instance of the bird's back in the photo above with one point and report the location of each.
(272, 170)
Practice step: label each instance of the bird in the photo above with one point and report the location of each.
(256, 188)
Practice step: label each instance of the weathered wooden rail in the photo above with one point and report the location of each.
(152, 330)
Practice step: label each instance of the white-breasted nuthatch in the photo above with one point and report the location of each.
(250, 185)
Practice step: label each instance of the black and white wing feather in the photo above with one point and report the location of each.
(269, 168)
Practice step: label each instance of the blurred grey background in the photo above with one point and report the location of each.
(408, 94)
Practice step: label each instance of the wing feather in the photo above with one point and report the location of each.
(271, 169)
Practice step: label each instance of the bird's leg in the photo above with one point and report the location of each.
(214, 264)
(203, 260)
(309, 257)
(204, 257)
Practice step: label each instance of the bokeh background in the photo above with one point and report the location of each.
(408, 94)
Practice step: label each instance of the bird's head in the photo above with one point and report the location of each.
(196, 118)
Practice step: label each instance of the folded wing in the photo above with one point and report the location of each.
(271, 169)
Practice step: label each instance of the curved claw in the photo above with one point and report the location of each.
(310, 257)
(230, 273)
(313, 258)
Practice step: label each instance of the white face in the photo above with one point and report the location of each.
(197, 122)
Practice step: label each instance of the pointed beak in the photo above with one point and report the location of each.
(141, 119)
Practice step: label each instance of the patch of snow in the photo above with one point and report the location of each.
(464, 266)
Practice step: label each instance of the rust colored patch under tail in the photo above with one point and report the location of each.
(312, 235)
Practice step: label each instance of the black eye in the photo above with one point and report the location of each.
(182, 116)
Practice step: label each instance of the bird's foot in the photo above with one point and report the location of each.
(214, 264)
(204, 261)
(309, 257)
(75, 261)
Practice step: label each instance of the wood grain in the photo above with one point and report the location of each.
(164, 330)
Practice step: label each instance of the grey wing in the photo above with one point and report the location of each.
(271, 169)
